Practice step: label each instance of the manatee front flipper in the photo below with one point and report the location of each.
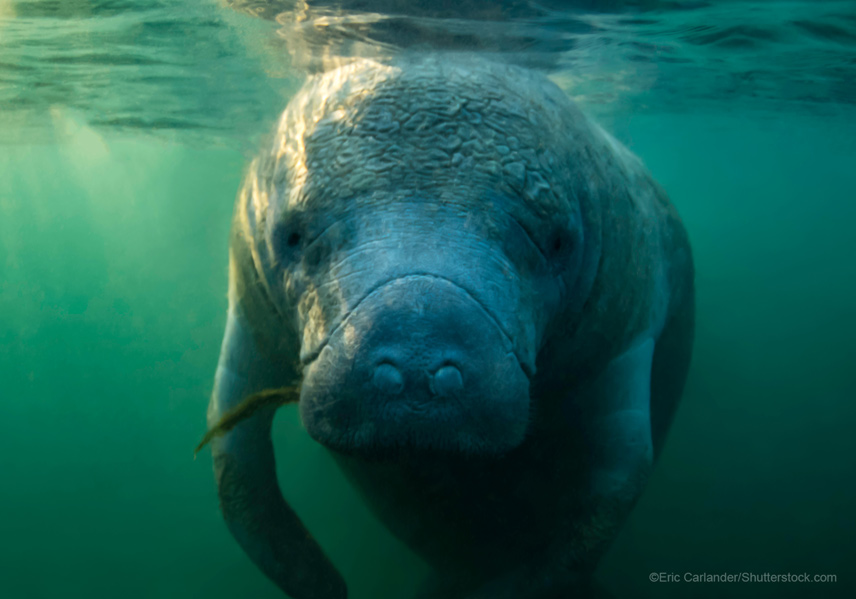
(612, 414)
(252, 504)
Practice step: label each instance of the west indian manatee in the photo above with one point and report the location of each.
(487, 305)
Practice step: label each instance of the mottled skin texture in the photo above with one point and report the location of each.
(448, 212)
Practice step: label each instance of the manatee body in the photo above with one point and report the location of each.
(488, 304)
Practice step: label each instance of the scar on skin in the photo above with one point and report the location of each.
(248, 406)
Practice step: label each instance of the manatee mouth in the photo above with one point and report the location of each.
(307, 357)
(417, 363)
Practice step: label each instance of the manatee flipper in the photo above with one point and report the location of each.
(613, 414)
(250, 498)
(269, 398)
(618, 422)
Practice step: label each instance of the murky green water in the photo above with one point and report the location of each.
(125, 130)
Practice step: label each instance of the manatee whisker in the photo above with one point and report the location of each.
(246, 408)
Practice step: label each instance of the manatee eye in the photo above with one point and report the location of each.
(288, 240)
(560, 243)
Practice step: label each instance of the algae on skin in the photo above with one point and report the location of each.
(248, 406)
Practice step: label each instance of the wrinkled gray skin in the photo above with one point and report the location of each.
(489, 303)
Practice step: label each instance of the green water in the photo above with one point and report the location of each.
(113, 247)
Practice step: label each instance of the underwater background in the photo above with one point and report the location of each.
(125, 129)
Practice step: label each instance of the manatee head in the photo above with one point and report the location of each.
(424, 229)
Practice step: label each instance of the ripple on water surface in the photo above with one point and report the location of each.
(223, 69)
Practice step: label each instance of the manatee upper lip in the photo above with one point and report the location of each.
(308, 358)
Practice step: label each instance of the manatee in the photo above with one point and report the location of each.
(487, 304)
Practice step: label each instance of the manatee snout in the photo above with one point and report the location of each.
(418, 363)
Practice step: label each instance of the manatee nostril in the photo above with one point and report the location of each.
(447, 381)
(388, 379)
